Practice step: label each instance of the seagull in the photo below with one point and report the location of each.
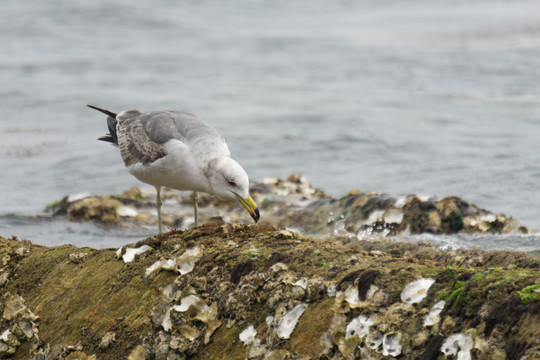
(180, 151)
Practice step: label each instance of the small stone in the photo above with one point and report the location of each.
(24, 329)
(4, 278)
(179, 343)
(279, 267)
(10, 339)
(107, 340)
(285, 234)
(78, 258)
(448, 326)
(189, 332)
(20, 251)
(6, 350)
(79, 355)
(5, 259)
(213, 325)
(280, 354)
(378, 297)
(297, 293)
(139, 353)
(257, 351)
(420, 339)
(376, 253)
(346, 347)
(134, 193)
(397, 314)
(98, 208)
(434, 220)
(14, 305)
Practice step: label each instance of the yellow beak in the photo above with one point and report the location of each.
(250, 206)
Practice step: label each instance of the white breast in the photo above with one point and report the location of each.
(178, 169)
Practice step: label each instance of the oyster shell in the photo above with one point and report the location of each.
(416, 291)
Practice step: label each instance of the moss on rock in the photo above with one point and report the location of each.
(255, 275)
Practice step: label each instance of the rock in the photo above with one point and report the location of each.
(78, 258)
(21, 251)
(295, 203)
(79, 355)
(6, 350)
(280, 354)
(448, 325)
(300, 297)
(10, 339)
(107, 340)
(139, 353)
(98, 208)
(14, 307)
(4, 278)
(420, 339)
(397, 313)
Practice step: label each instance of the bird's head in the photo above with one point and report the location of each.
(229, 181)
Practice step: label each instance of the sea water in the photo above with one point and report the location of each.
(429, 97)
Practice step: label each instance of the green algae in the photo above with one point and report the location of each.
(529, 294)
(52, 204)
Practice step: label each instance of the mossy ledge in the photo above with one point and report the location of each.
(80, 303)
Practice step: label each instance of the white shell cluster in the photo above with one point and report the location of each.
(302, 283)
(358, 326)
(416, 291)
(391, 345)
(289, 321)
(382, 336)
(161, 264)
(183, 264)
(186, 262)
(248, 335)
(185, 303)
(458, 344)
(130, 253)
(196, 309)
(434, 314)
(374, 339)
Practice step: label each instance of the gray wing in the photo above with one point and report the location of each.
(141, 136)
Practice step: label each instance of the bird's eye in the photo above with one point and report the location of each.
(231, 182)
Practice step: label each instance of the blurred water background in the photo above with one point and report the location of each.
(429, 97)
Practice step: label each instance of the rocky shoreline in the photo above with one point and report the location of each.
(227, 291)
(295, 204)
(259, 291)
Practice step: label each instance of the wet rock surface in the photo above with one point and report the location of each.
(229, 291)
(296, 204)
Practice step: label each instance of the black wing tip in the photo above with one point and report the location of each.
(106, 112)
(107, 138)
